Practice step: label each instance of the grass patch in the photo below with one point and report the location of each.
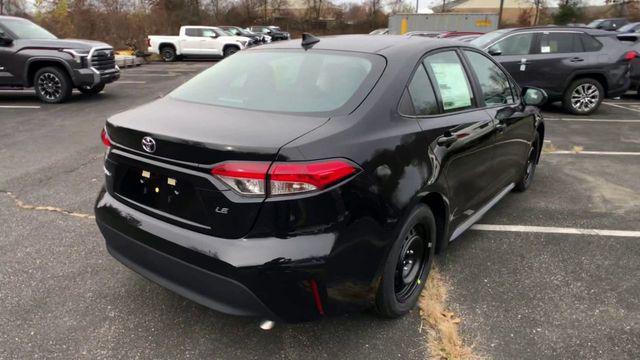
(443, 336)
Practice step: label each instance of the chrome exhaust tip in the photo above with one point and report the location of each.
(267, 325)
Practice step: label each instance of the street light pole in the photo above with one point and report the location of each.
(500, 14)
(417, 6)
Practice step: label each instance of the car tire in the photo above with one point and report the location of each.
(53, 85)
(168, 53)
(91, 90)
(402, 281)
(583, 96)
(230, 50)
(530, 167)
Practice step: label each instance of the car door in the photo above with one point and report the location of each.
(558, 54)
(210, 43)
(190, 43)
(513, 52)
(443, 102)
(7, 76)
(514, 122)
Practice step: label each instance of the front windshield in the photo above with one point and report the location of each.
(595, 23)
(284, 81)
(25, 29)
(488, 38)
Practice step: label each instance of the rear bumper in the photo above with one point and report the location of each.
(263, 277)
(204, 287)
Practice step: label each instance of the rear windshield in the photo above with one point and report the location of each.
(295, 81)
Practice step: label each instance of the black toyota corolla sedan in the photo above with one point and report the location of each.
(296, 181)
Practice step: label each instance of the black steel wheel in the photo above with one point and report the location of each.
(168, 53)
(408, 264)
(230, 50)
(52, 85)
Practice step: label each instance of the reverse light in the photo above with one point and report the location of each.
(282, 178)
(105, 138)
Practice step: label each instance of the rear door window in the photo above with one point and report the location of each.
(195, 32)
(517, 44)
(560, 43)
(421, 93)
(450, 80)
(590, 43)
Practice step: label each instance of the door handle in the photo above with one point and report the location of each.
(446, 140)
(576, 59)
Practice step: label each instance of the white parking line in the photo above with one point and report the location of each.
(129, 82)
(19, 107)
(571, 152)
(621, 107)
(555, 230)
(593, 120)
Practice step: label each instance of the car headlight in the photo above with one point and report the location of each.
(79, 55)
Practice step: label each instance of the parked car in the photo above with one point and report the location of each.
(316, 178)
(274, 32)
(633, 27)
(381, 31)
(256, 38)
(196, 41)
(467, 38)
(442, 34)
(578, 66)
(30, 56)
(612, 24)
(633, 41)
(428, 34)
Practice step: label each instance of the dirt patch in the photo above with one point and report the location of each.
(443, 336)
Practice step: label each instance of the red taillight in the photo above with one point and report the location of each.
(148, 42)
(105, 138)
(630, 55)
(255, 178)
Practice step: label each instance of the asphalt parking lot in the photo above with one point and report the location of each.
(537, 279)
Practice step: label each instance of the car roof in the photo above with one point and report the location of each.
(588, 30)
(6, 17)
(375, 44)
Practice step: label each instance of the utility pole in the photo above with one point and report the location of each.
(500, 14)
(417, 6)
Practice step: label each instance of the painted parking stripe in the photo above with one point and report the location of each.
(571, 152)
(19, 107)
(555, 230)
(593, 120)
(621, 107)
(129, 82)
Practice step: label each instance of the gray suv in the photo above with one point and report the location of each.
(577, 66)
(30, 56)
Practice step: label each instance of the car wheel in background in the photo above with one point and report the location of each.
(91, 90)
(408, 264)
(52, 85)
(168, 53)
(530, 167)
(583, 96)
(230, 50)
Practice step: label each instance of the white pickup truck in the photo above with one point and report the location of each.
(196, 41)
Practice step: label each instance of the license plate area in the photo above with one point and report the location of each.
(160, 190)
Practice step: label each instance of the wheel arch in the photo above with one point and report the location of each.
(226, 46)
(37, 63)
(439, 206)
(598, 76)
(540, 132)
(168, 44)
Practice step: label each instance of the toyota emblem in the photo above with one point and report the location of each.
(148, 144)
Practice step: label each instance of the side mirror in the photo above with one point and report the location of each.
(4, 39)
(494, 52)
(534, 96)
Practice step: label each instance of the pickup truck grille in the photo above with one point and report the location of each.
(103, 60)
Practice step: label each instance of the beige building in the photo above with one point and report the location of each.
(514, 11)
